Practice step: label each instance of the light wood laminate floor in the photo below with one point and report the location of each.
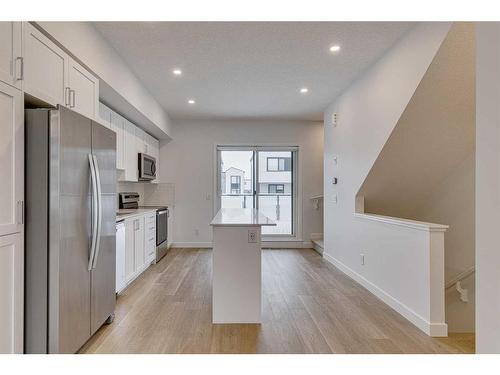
(308, 307)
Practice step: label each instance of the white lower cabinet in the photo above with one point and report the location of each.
(140, 259)
(129, 250)
(150, 237)
(11, 293)
(121, 281)
(140, 251)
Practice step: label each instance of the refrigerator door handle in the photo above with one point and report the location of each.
(99, 211)
(94, 211)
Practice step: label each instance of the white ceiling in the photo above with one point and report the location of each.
(249, 69)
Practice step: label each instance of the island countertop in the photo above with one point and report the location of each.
(240, 217)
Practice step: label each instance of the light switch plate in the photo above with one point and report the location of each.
(252, 236)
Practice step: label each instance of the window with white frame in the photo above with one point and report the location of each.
(261, 177)
(277, 164)
(235, 184)
(276, 188)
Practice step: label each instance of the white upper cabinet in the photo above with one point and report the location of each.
(83, 90)
(105, 115)
(51, 75)
(141, 144)
(11, 60)
(130, 141)
(118, 125)
(130, 153)
(154, 151)
(11, 159)
(45, 67)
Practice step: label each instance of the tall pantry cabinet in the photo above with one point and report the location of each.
(11, 189)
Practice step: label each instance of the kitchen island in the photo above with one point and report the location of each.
(236, 259)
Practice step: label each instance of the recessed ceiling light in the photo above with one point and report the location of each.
(191, 101)
(177, 72)
(335, 48)
(304, 90)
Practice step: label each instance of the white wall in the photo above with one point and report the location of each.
(425, 170)
(368, 111)
(89, 46)
(488, 188)
(188, 162)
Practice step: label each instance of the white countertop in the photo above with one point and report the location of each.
(240, 217)
(127, 213)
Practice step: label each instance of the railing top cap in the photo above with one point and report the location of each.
(419, 225)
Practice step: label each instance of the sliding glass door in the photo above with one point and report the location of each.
(260, 177)
(236, 178)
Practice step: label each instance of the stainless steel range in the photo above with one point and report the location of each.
(130, 200)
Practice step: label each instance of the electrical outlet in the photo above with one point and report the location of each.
(335, 119)
(362, 259)
(252, 236)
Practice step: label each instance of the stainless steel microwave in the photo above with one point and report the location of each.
(147, 167)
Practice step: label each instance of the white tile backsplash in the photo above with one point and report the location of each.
(149, 194)
(159, 194)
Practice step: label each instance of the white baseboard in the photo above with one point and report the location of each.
(265, 245)
(202, 245)
(317, 248)
(431, 329)
(286, 244)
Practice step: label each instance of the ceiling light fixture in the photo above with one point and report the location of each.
(191, 101)
(177, 72)
(304, 90)
(335, 48)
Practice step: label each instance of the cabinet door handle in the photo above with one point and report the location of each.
(72, 97)
(20, 212)
(67, 100)
(21, 68)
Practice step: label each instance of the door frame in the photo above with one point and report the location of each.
(296, 183)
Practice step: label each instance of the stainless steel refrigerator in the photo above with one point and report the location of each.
(70, 229)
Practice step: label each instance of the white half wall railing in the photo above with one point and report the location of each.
(403, 265)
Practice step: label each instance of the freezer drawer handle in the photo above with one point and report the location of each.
(94, 211)
(99, 211)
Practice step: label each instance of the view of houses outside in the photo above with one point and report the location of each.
(274, 185)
